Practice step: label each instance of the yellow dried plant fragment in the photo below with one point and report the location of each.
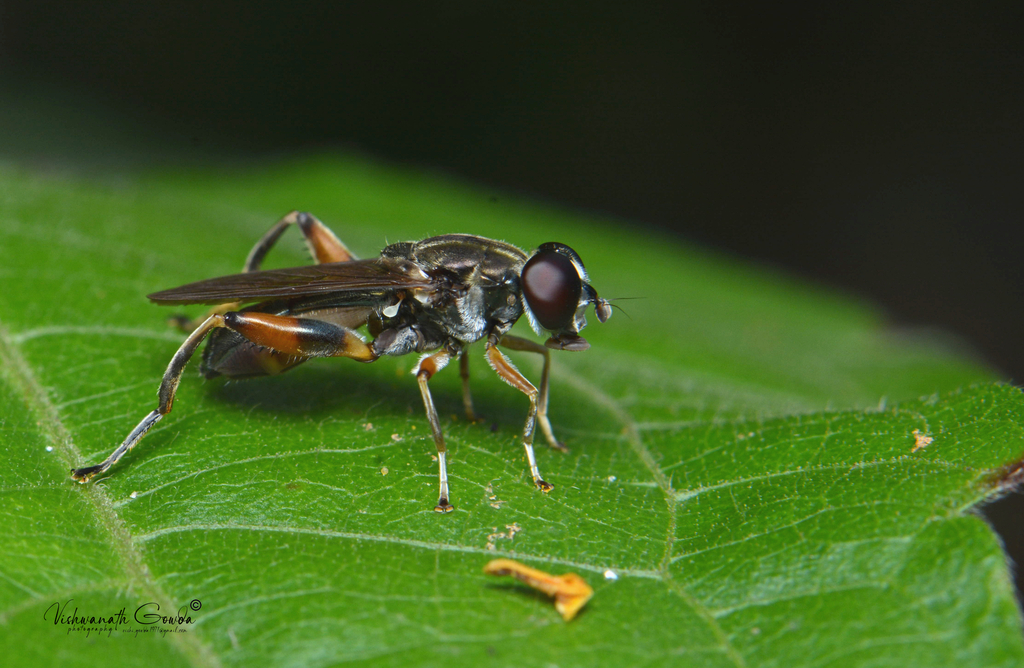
(570, 591)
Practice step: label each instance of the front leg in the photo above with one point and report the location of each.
(525, 345)
(510, 374)
(284, 334)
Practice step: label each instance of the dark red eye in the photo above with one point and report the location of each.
(552, 288)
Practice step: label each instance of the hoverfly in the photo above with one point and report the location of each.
(433, 297)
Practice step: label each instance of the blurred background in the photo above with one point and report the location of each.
(875, 148)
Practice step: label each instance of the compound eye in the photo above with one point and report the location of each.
(552, 287)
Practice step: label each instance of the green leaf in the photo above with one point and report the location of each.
(750, 455)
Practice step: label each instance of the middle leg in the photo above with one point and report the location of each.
(425, 369)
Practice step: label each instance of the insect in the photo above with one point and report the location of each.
(433, 297)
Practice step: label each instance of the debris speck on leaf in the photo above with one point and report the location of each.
(513, 529)
(920, 440)
(384, 470)
(570, 591)
(611, 575)
(493, 498)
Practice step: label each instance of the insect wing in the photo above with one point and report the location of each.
(357, 276)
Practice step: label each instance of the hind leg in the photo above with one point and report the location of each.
(323, 245)
(288, 335)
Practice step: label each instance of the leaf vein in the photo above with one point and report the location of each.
(194, 649)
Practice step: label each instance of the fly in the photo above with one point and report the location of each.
(433, 297)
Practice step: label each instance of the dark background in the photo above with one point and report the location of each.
(874, 148)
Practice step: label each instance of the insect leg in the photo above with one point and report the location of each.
(510, 374)
(467, 398)
(323, 245)
(525, 345)
(167, 389)
(425, 369)
(289, 335)
(299, 336)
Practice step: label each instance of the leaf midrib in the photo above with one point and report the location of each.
(129, 559)
(195, 649)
